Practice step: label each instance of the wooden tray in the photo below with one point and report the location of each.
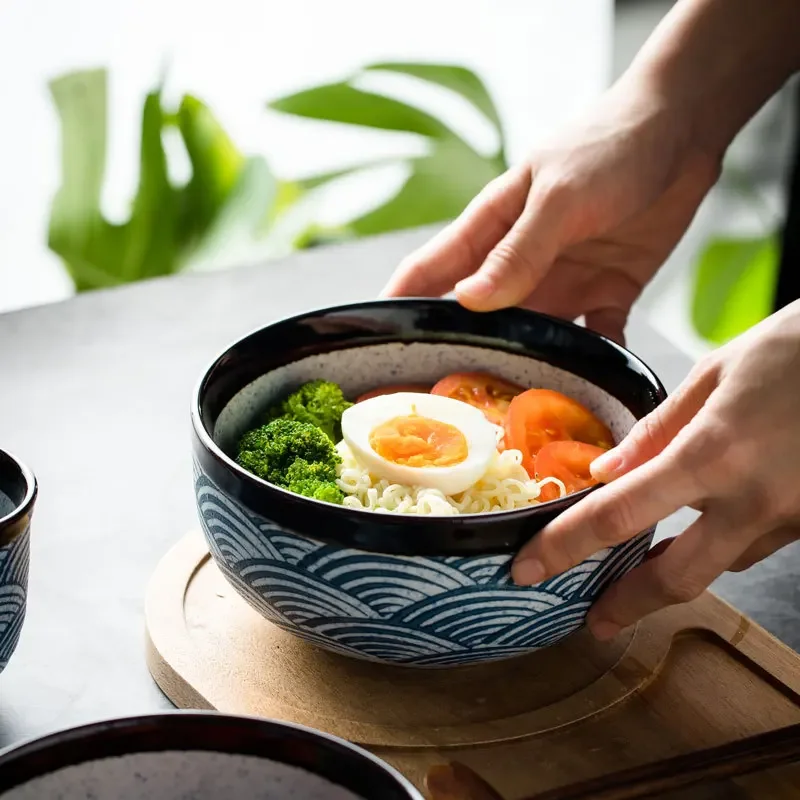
(689, 677)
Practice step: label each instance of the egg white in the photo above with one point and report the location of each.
(360, 420)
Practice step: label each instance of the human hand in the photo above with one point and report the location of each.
(581, 226)
(726, 444)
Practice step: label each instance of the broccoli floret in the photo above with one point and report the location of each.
(294, 455)
(270, 450)
(319, 403)
(302, 470)
(314, 480)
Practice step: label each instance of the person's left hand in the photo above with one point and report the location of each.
(727, 443)
(580, 226)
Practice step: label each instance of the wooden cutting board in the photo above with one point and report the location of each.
(688, 677)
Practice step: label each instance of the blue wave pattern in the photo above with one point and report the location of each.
(14, 561)
(412, 610)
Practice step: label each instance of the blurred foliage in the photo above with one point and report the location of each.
(735, 277)
(233, 206)
(442, 181)
(734, 286)
(229, 196)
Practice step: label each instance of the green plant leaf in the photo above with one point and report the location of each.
(286, 195)
(458, 79)
(439, 188)
(77, 230)
(320, 235)
(97, 253)
(238, 218)
(734, 286)
(312, 182)
(229, 201)
(151, 240)
(440, 183)
(81, 101)
(341, 102)
(216, 164)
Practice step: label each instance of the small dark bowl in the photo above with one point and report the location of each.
(17, 499)
(328, 572)
(202, 755)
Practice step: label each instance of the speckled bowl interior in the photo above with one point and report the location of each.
(359, 369)
(196, 757)
(409, 590)
(180, 774)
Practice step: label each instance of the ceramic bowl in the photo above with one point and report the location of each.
(196, 756)
(17, 498)
(412, 590)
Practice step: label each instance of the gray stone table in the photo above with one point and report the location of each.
(94, 395)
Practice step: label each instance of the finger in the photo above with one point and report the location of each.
(653, 433)
(459, 249)
(657, 549)
(516, 265)
(764, 547)
(679, 574)
(608, 322)
(610, 516)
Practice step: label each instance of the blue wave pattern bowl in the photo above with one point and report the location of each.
(415, 591)
(17, 497)
(415, 610)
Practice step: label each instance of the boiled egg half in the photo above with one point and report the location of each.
(421, 440)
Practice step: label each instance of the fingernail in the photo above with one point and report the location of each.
(606, 466)
(528, 571)
(477, 287)
(604, 631)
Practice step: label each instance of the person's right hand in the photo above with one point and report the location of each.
(726, 444)
(581, 226)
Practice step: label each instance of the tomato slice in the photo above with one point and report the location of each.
(420, 388)
(490, 394)
(569, 462)
(540, 416)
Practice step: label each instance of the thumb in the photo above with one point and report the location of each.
(460, 248)
(516, 265)
(653, 433)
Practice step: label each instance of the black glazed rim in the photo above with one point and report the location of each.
(555, 341)
(19, 483)
(316, 752)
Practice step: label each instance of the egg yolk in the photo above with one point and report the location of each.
(416, 441)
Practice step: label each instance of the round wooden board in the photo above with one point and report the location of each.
(207, 648)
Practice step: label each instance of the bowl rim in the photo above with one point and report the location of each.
(77, 739)
(207, 442)
(14, 523)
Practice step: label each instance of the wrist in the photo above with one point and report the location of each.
(712, 64)
(675, 121)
